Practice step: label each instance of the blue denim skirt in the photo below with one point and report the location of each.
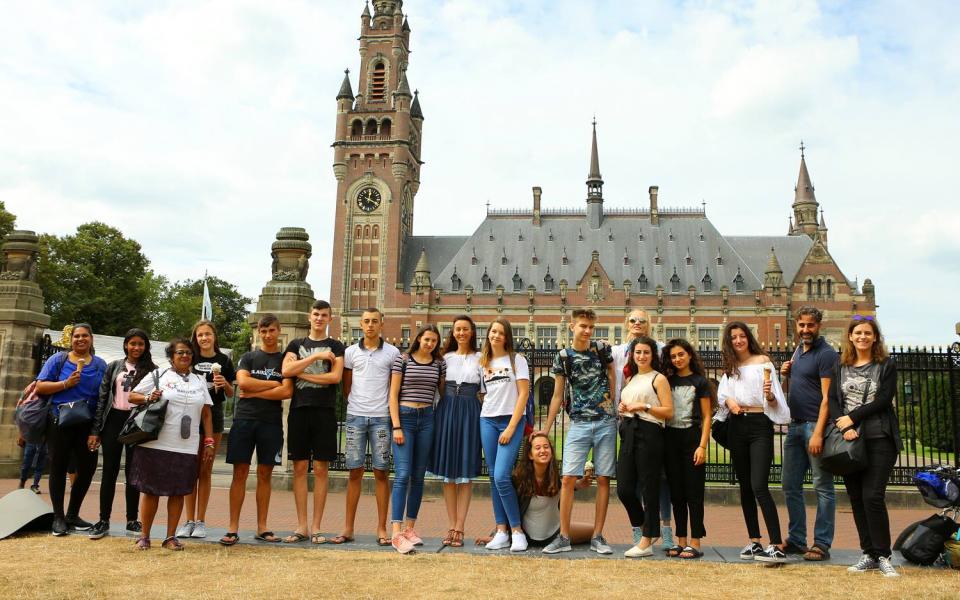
(456, 434)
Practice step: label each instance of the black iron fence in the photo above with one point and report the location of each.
(927, 405)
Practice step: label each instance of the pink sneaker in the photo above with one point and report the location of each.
(412, 536)
(402, 544)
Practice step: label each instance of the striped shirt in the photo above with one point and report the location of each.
(421, 381)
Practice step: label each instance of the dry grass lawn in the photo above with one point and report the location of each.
(39, 566)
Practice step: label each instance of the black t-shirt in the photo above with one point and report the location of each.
(314, 394)
(203, 366)
(265, 366)
(686, 392)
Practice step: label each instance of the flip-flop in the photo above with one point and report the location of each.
(229, 539)
(266, 536)
(383, 541)
(693, 553)
(318, 538)
(674, 551)
(295, 538)
(341, 539)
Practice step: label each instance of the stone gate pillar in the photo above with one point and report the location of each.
(22, 322)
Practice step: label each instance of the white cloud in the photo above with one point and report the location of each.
(201, 128)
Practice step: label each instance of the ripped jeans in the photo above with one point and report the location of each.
(377, 431)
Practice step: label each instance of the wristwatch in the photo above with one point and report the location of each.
(646, 408)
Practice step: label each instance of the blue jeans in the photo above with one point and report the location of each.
(359, 431)
(34, 459)
(410, 462)
(796, 459)
(500, 461)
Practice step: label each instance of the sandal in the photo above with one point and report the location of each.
(295, 538)
(383, 541)
(816, 554)
(266, 536)
(143, 543)
(457, 541)
(318, 538)
(341, 539)
(229, 539)
(448, 539)
(690, 552)
(172, 543)
(674, 551)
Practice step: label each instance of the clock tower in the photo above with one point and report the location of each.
(377, 167)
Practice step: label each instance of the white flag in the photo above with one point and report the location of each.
(206, 310)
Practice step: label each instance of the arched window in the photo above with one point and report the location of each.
(809, 288)
(819, 287)
(548, 283)
(373, 285)
(371, 127)
(675, 282)
(642, 282)
(385, 128)
(376, 232)
(378, 83)
(356, 130)
(707, 282)
(486, 282)
(517, 282)
(455, 282)
(830, 288)
(359, 232)
(366, 231)
(738, 282)
(356, 285)
(363, 285)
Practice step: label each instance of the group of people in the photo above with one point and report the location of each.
(445, 405)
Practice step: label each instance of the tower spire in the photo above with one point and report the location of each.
(345, 90)
(594, 185)
(804, 199)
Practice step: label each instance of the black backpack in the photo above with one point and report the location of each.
(924, 545)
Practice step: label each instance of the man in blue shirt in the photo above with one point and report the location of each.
(807, 380)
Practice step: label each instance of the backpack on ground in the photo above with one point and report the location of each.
(925, 544)
(596, 346)
(33, 409)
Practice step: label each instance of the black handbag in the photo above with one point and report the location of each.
(840, 456)
(145, 420)
(719, 432)
(71, 414)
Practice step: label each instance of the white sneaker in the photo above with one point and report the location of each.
(886, 567)
(199, 530)
(518, 543)
(500, 541)
(186, 530)
(866, 563)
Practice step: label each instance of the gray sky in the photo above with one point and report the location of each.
(200, 128)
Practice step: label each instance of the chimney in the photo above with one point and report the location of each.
(654, 212)
(537, 192)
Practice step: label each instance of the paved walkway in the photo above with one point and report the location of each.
(726, 533)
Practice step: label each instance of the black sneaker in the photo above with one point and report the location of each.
(751, 551)
(773, 554)
(78, 523)
(59, 526)
(99, 530)
(35, 489)
(134, 528)
(791, 548)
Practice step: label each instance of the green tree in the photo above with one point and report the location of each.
(8, 221)
(178, 308)
(96, 276)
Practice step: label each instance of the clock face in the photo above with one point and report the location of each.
(368, 200)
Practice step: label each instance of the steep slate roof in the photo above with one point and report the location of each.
(750, 254)
(440, 250)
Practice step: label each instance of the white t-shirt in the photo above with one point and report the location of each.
(370, 381)
(185, 399)
(500, 382)
(462, 368)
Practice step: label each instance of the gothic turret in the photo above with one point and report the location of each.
(346, 92)
(773, 274)
(421, 273)
(415, 111)
(594, 186)
(804, 201)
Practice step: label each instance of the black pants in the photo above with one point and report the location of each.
(867, 491)
(686, 480)
(62, 444)
(751, 449)
(112, 449)
(641, 461)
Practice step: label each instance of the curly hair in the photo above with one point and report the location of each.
(731, 365)
(631, 369)
(525, 477)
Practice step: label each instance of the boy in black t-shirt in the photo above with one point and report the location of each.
(257, 425)
(316, 363)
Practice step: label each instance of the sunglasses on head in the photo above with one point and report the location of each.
(862, 318)
(635, 321)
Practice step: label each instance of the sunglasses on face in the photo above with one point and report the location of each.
(862, 318)
(636, 321)
(184, 352)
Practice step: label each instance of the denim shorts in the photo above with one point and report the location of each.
(375, 429)
(601, 436)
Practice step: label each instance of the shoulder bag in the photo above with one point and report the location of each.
(145, 420)
(841, 456)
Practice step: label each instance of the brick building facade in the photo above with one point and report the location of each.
(534, 266)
